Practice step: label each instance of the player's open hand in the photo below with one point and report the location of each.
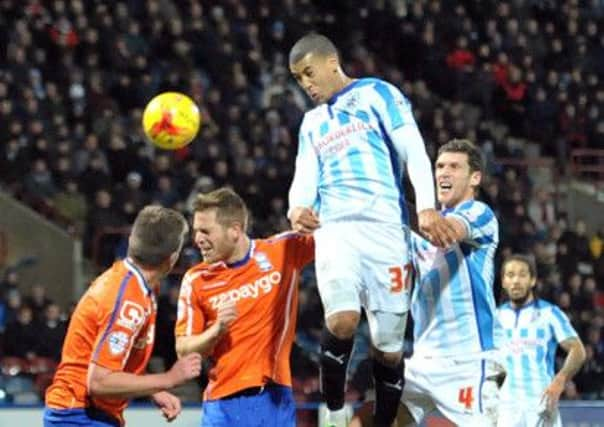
(304, 220)
(436, 228)
(168, 404)
(186, 368)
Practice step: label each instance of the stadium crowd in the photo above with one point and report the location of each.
(521, 78)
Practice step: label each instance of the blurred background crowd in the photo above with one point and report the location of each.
(522, 78)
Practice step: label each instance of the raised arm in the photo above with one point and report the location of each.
(303, 192)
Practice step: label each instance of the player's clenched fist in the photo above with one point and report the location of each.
(186, 368)
(436, 228)
(304, 220)
(225, 315)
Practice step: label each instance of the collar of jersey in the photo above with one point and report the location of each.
(139, 276)
(449, 210)
(530, 304)
(342, 91)
(245, 259)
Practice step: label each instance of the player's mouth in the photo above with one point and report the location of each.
(445, 187)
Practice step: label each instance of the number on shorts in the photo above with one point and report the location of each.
(466, 397)
(396, 277)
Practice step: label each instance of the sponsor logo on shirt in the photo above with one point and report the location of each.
(118, 341)
(340, 138)
(132, 315)
(263, 262)
(256, 289)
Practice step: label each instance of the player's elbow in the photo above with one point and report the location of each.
(96, 386)
(581, 355)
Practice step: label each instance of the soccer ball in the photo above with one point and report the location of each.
(171, 120)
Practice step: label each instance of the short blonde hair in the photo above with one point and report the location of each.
(230, 207)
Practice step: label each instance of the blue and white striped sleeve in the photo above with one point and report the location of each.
(561, 325)
(303, 191)
(396, 116)
(480, 222)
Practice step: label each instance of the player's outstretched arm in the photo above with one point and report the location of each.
(573, 362)
(441, 231)
(107, 383)
(303, 220)
(205, 342)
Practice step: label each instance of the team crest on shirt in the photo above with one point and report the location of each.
(118, 341)
(262, 261)
(352, 101)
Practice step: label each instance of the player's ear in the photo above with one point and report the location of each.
(475, 178)
(333, 63)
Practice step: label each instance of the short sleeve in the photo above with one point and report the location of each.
(480, 222)
(393, 107)
(120, 320)
(561, 325)
(190, 319)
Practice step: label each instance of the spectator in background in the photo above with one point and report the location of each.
(167, 308)
(21, 336)
(51, 333)
(38, 302)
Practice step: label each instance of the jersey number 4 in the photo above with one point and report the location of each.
(400, 277)
(466, 397)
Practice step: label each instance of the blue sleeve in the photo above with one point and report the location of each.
(480, 222)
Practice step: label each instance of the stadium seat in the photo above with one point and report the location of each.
(41, 365)
(12, 366)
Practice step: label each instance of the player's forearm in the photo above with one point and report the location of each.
(303, 189)
(124, 385)
(410, 146)
(202, 343)
(573, 362)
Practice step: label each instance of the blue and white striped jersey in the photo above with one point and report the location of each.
(453, 305)
(352, 154)
(533, 333)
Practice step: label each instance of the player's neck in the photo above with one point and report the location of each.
(528, 301)
(241, 251)
(343, 82)
(152, 276)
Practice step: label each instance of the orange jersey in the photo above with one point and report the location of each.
(113, 327)
(264, 286)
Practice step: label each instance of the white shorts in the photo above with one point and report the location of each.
(464, 391)
(527, 414)
(366, 264)
(363, 264)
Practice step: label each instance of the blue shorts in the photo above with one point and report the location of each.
(273, 406)
(77, 417)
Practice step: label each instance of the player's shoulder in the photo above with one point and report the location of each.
(476, 210)
(282, 239)
(203, 271)
(547, 307)
(116, 277)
